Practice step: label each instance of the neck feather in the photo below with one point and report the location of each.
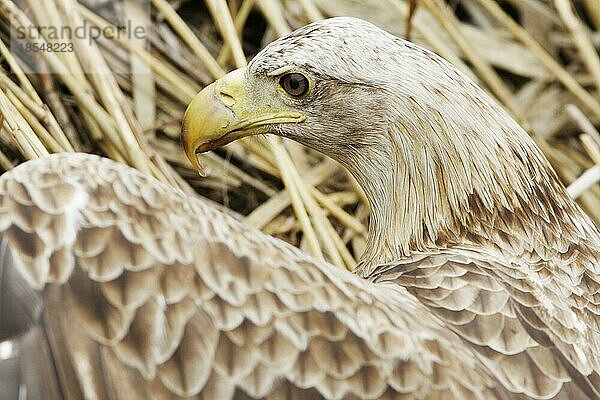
(433, 185)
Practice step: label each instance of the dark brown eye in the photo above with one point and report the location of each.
(294, 84)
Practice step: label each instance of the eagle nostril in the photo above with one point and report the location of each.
(227, 98)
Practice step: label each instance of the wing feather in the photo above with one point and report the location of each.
(532, 320)
(150, 294)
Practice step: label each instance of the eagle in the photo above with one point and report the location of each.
(479, 280)
(466, 212)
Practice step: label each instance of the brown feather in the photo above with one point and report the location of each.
(228, 313)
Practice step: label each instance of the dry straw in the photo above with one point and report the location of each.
(51, 102)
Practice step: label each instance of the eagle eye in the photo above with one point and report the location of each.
(295, 84)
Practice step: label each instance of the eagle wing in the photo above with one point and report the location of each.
(533, 316)
(150, 294)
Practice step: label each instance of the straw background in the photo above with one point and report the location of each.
(538, 58)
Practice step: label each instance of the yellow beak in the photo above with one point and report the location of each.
(222, 113)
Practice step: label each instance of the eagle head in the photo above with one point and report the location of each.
(438, 158)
